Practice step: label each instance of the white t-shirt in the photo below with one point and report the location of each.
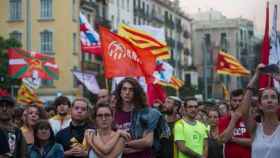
(266, 146)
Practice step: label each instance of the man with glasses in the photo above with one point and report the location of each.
(12, 143)
(190, 135)
(237, 142)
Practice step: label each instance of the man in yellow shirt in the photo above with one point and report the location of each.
(190, 135)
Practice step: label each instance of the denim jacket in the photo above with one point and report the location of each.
(149, 119)
(50, 151)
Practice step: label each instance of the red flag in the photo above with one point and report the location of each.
(121, 58)
(263, 81)
(155, 92)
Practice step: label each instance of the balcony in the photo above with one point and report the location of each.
(186, 34)
(104, 22)
(87, 65)
(88, 5)
(139, 12)
(179, 27)
(179, 45)
(170, 42)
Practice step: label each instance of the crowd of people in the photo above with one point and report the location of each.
(121, 124)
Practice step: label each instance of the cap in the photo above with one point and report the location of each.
(7, 99)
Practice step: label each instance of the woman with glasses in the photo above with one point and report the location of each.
(104, 141)
(44, 142)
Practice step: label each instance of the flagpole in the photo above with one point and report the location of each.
(107, 83)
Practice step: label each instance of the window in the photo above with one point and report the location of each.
(16, 35)
(223, 42)
(74, 11)
(127, 3)
(74, 42)
(15, 9)
(46, 41)
(46, 9)
(47, 83)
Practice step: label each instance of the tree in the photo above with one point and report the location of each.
(6, 81)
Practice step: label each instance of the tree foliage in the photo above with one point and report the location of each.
(5, 80)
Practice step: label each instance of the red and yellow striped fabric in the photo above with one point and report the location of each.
(144, 41)
(174, 83)
(229, 65)
(27, 96)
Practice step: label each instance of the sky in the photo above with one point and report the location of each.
(250, 9)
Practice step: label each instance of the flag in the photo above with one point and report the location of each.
(88, 80)
(264, 79)
(22, 64)
(274, 55)
(90, 41)
(27, 96)
(163, 71)
(174, 83)
(225, 91)
(154, 93)
(121, 58)
(228, 64)
(145, 41)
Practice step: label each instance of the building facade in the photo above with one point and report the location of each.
(50, 27)
(212, 32)
(177, 27)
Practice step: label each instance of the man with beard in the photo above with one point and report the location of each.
(103, 95)
(171, 109)
(237, 142)
(62, 118)
(189, 134)
(12, 142)
(71, 138)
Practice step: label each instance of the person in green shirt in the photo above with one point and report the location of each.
(190, 135)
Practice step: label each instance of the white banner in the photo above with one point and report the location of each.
(274, 54)
(88, 80)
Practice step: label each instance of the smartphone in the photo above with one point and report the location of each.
(270, 69)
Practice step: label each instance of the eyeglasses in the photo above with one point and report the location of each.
(105, 115)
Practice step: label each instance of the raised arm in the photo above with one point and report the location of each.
(226, 135)
(246, 103)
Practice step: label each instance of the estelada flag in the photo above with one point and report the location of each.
(121, 58)
(27, 96)
(228, 64)
(144, 41)
(22, 64)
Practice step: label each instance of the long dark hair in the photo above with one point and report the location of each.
(39, 125)
(139, 98)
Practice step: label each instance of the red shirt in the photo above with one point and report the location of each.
(233, 150)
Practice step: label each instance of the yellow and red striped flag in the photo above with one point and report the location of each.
(228, 64)
(174, 83)
(144, 41)
(27, 96)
